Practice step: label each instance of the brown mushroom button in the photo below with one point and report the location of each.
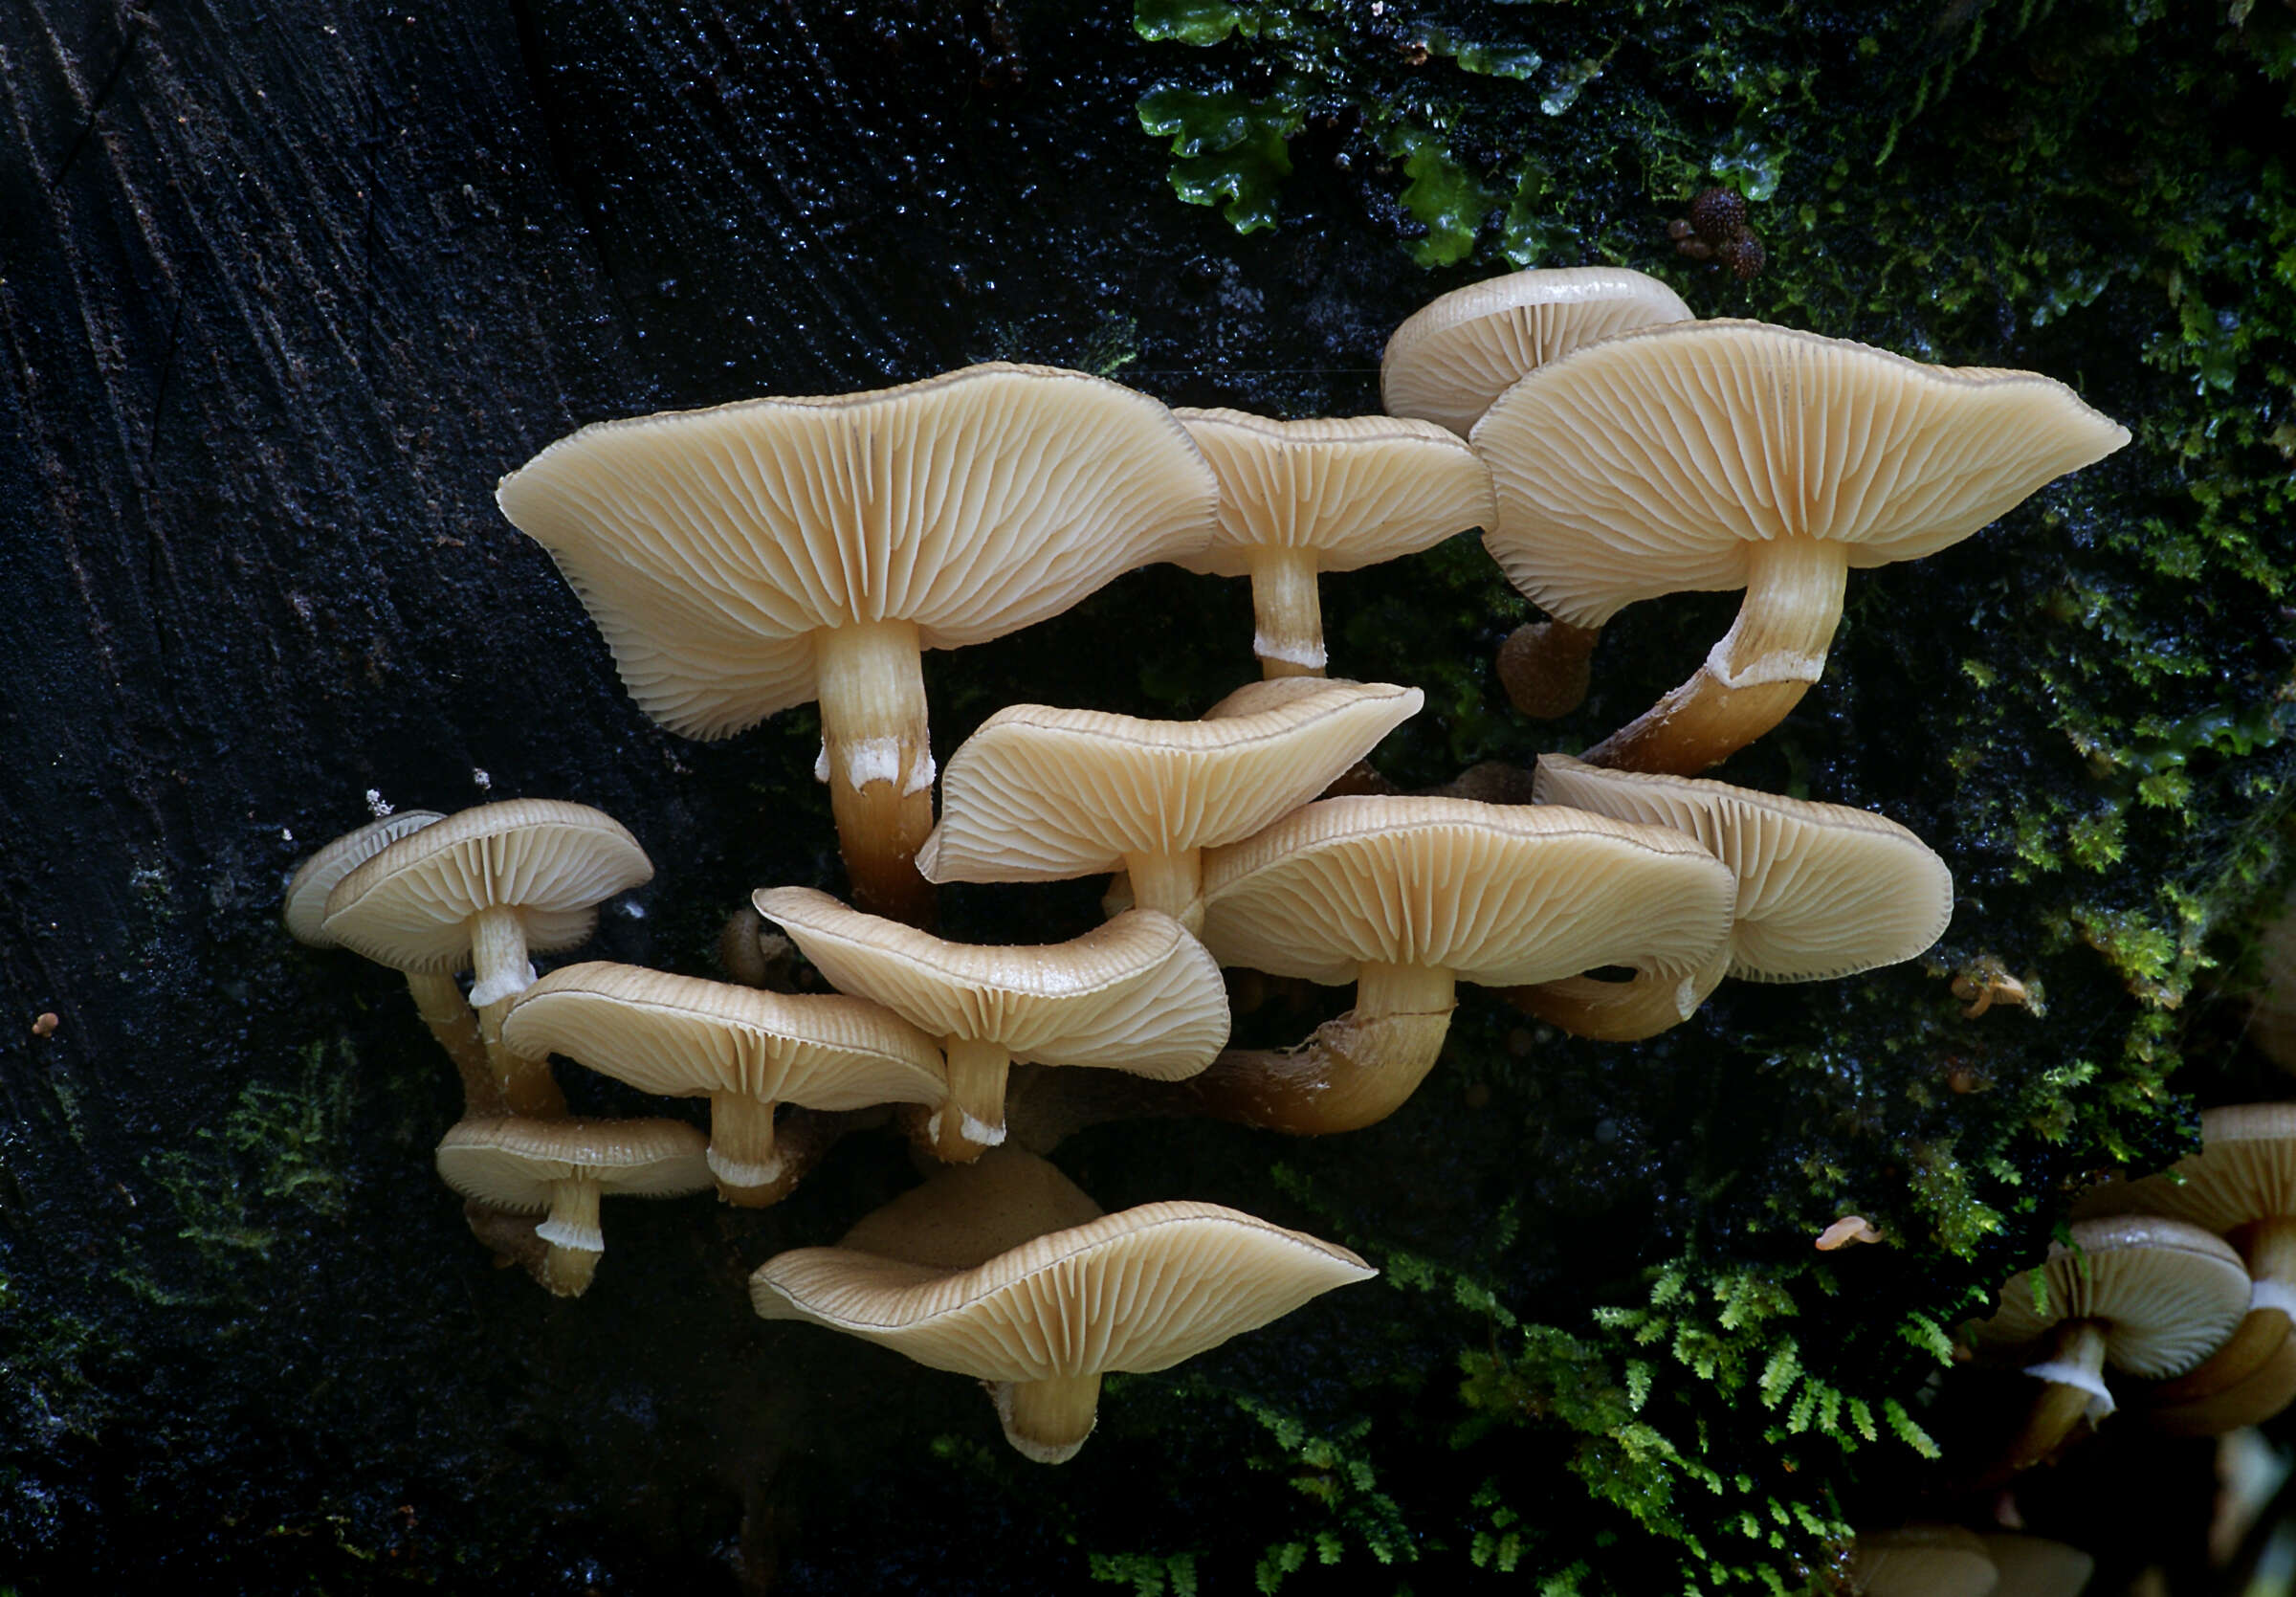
(1005, 1271)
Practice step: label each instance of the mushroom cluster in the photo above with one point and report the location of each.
(746, 559)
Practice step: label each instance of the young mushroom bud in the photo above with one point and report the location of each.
(1005, 1272)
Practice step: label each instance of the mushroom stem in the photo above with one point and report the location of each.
(742, 1155)
(1286, 612)
(1621, 1011)
(2073, 1378)
(1543, 667)
(2269, 1246)
(972, 1120)
(1352, 1071)
(499, 973)
(438, 999)
(870, 685)
(574, 1235)
(1755, 675)
(1047, 1421)
(1170, 882)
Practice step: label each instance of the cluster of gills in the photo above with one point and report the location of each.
(742, 560)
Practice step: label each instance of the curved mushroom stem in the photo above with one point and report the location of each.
(574, 1236)
(1287, 613)
(878, 751)
(1543, 667)
(743, 1156)
(1353, 1072)
(455, 1025)
(1755, 675)
(2073, 1378)
(1047, 1421)
(972, 1120)
(1621, 1012)
(1171, 882)
(2269, 1246)
(498, 973)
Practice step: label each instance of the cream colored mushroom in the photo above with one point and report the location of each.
(2147, 1295)
(1729, 455)
(1405, 897)
(482, 889)
(562, 1168)
(1138, 994)
(1005, 1271)
(743, 1049)
(1823, 891)
(742, 560)
(1040, 795)
(1456, 354)
(1301, 497)
(438, 995)
(2241, 1186)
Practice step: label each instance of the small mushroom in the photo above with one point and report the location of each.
(562, 1168)
(743, 1049)
(1006, 1272)
(482, 889)
(438, 995)
(1823, 891)
(1456, 354)
(1301, 497)
(1138, 994)
(1404, 898)
(746, 559)
(1734, 455)
(1040, 795)
(2241, 1186)
(2151, 1297)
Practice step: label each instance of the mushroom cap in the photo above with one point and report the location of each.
(2245, 1171)
(303, 906)
(681, 1036)
(1498, 894)
(1648, 463)
(1457, 353)
(511, 1163)
(2036, 1566)
(2164, 1294)
(1824, 890)
(1040, 795)
(1921, 1561)
(410, 906)
(1356, 490)
(710, 545)
(966, 1214)
(1136, 993)
(1137, 1291)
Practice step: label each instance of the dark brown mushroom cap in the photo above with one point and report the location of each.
(1824, 890)
(1652, 463)
(410, 905)
(511, 1163)
(1135, 995)
(681, 1036)
(1039, 793)
(1459, 352)
(2165, 1295)
(304, 906)
(1138, 1291)
(1498, 894)
(710, 545)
